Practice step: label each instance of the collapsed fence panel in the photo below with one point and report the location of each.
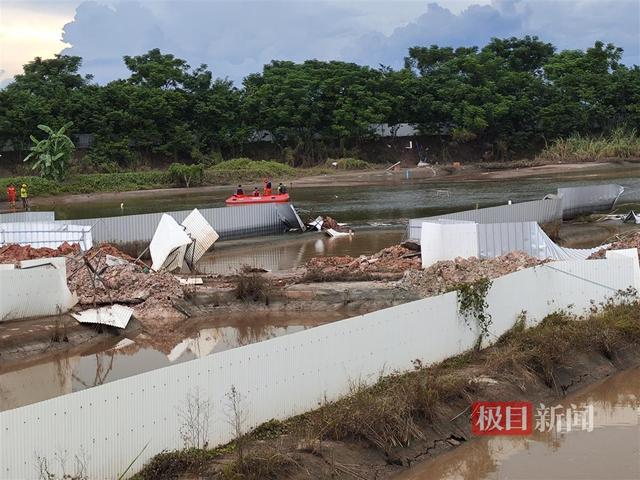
(38, 288)
(541, 211)
(137, 417)
(443, 240)
(588, 199)
(228, 222)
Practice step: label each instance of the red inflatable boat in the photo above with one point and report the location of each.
(250, 199)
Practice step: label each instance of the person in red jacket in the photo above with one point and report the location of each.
(11, 195)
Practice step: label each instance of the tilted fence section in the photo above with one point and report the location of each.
(109, 425)
(229, 222)
(541, 211)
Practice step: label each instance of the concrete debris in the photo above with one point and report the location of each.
(15, 253)
(442, 276)
(113, 316)
(395, 259)
(151, 294)
(630, 241)
(112, 261)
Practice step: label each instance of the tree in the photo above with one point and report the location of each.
(52, 154)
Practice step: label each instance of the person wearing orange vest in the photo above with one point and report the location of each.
(267, 187)
(11, 195)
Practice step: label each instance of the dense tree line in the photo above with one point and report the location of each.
(510, 94)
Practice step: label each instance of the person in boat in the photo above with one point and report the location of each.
(282, 189)
(256, 192)
(239, 191)
(267, 187)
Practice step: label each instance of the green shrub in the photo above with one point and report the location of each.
(348, 164)
(186, 175)
(238, 169)
(89, 183)
(620, 143)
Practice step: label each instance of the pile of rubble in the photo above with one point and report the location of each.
(445, 275)
(98, 281)
(389, 261)
(630, 241)
(14, 253)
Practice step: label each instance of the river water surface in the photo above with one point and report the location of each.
(611, 451)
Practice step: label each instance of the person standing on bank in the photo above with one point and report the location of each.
(24, 196)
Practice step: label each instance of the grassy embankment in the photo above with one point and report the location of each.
(223, 173)
(619, 144)
(409, 411)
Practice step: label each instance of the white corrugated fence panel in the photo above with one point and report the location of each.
(202, 234)
(168, 244)
(45, 234)
(38, 288)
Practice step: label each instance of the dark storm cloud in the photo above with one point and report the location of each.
(236, 38)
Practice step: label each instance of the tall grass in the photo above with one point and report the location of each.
(620, 143)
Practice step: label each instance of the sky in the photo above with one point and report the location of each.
(237, 37)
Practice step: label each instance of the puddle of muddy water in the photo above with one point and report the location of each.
(278, 253)
(610, 451)
(116, 359)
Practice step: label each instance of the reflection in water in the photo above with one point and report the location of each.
(610, 451)
(121, 358)
(394, 201)
(295, 250)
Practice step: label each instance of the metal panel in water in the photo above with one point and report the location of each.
(27, 217)
(541, 211)
(229, 222)
(589, 199)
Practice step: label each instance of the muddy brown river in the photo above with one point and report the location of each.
(610, 451)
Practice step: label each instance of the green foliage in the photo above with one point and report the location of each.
(511, 95)
(186, 175)
(52, 154)
(620, 143)
(247, 169)
(89, 183)
(348, 164)
(472, 304)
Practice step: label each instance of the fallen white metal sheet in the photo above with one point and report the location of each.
(190, 281)
(168, 245)
(317, 223)
(45, 234)
(334, 233)
(37, 288)
(632, 217)
(202, 235)
(112, 315)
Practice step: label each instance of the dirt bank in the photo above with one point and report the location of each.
(380, 431)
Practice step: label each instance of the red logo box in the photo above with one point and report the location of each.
(501, 418)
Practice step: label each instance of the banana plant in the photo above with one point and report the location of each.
(53, 154)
